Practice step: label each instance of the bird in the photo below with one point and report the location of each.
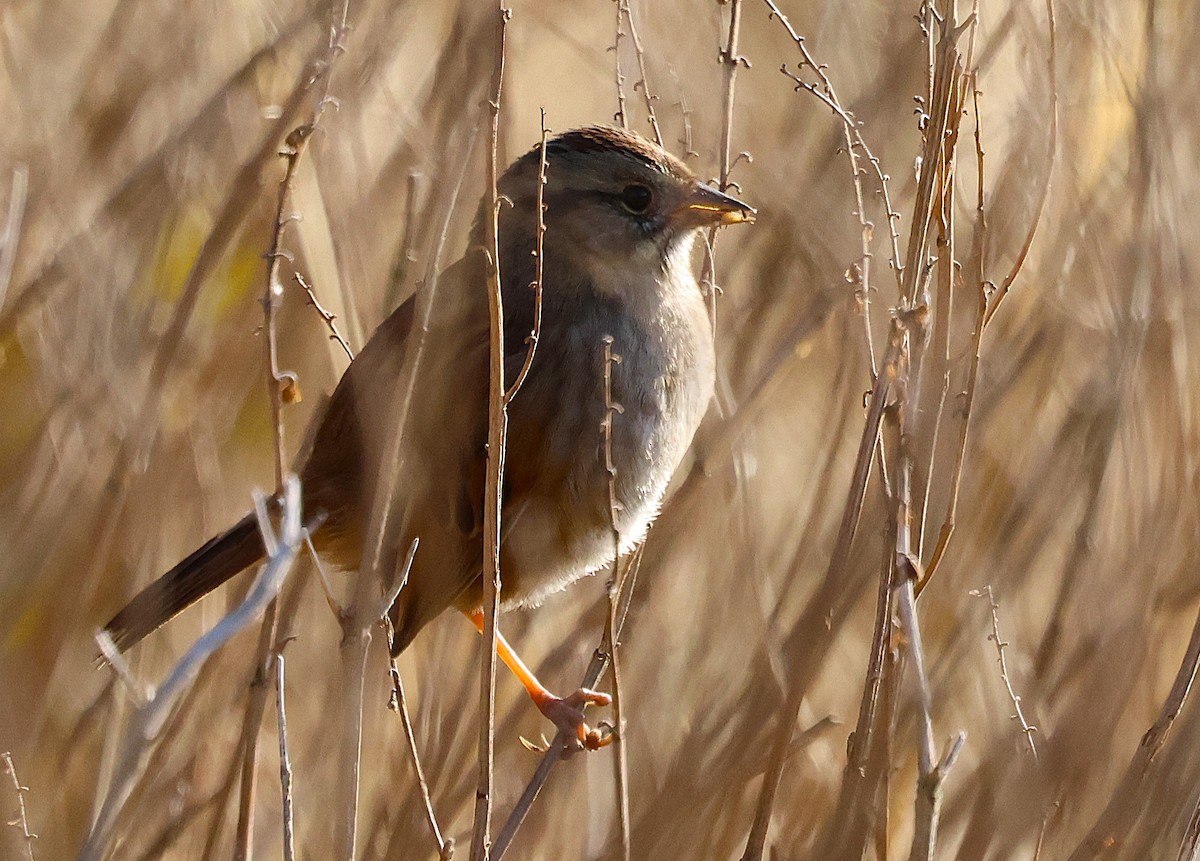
(620, 221)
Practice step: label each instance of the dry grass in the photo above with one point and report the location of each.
(134, 422)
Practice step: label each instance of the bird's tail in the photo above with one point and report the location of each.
(203, 571)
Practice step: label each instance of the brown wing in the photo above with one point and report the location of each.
(439, 481)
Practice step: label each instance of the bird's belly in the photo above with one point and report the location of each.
(566, 527)
(548, 544)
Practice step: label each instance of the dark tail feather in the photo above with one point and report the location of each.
(200, 573)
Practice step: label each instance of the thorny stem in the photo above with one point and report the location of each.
(621, 117)
(285, 766)
(1027, 729)
(329, 318)
(281, 387)
(880, 394)
(536, 286)
(21, 819)
(149, 720)
(826, 94)
(730, 60)
(621, 758)
(564, 742)
(979, 258)
(497, 431)
(643, 81)
(399, 704)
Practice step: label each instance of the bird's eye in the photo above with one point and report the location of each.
(636, 198)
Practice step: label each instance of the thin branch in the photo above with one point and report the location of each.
(285, 766)
(826, 94)
(854, 145)
(20, 819)
(565, 742)
(398, 703)
(1027, 729)
(406, 251)
(643, 82)
(381, 543)
(866, 770)
(935, 187)
(979, 258)
(493, 500)
(240, 197)
(612, 644)
(148, 720)
(685, 115)
(730, 60)
(329, 318)
(539, 254)
(881, 392)
(621, 117)
(291, 152)
(281, 387)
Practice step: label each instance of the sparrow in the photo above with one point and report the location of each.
(621, 218)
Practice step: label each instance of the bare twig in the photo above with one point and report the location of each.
(492, 502)
(621, 117)
(148, 721)
(20, 790)
(407, 251)
(861, 783)
(1027, 729)
(935, 188)
(398, 703)
(643, 82)
(380, 555)
(880, 394)
(612, 644)
(445, 847)
(242, 192)
(532, 338)
(730, 59)
(685, 116)
(979, 259)
(281, 387)
(291, 152)
(565, 741)
(285, 766)
(326, 315)
(826, 94)
(932, 770)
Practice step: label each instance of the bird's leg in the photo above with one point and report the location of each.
(565, 713)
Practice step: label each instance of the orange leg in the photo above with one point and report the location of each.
(565, 713)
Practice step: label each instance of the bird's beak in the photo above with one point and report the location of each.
(705, 205)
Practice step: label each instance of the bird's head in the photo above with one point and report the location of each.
(614, 198)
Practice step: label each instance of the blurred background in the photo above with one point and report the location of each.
(138, 186)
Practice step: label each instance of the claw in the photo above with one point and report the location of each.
(567, 715)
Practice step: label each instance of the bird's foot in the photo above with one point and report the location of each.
(567, 714)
